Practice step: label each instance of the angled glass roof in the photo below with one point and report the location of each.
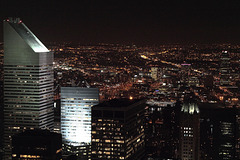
(29, 37)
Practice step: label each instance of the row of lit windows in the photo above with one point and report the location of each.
(76, 122)
(77, 102)
(19, 80)
(80, 99)
(74, 105)
(108, 133)
(74, 113)
(188, 135)
(188, 128)
(26, 156)
(110, 157)
(109, 141)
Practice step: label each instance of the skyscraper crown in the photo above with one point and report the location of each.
(27, 36)
(190, 108)
(14, 20)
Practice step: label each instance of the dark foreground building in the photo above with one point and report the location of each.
(162, 132)
(37, 144)
(118, 130)
(219, 135)
(190, 132)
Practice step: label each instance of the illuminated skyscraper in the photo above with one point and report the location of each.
(28, 82)
(76, 103)
(225, 69)
(190, 132)
(118, 130)
(154, 73)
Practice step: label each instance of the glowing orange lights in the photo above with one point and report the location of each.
(221, 98)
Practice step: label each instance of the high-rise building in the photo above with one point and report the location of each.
(37, 144)
(219, 133)
(162, 131)
(76, 103)
(225, 69)
(1, 118)
(185, 72)
(154, 73)
(189, 132)
(28, 82)
(118, 130)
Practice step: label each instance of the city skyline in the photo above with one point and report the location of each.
(148, 22)
(160, 101)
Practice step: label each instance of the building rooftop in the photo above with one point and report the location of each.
(37, 133)
(190, 108)
(119, 103)
(27, 35)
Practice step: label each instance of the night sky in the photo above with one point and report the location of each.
(132, 21)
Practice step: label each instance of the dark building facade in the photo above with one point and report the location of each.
(37, 144)
(219, 133)
(1, 119)
(162, 132)
(118, 130)
(189, 132)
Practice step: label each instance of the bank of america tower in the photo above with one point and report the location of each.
(28, 82)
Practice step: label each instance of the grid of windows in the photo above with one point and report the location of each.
(118, 132)
(28, 98)
(28, 83)
(189, 132)
(76, 103)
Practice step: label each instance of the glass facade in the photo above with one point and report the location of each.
(76, 103)
(118, 130)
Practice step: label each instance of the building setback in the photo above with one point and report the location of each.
(28, 82)
(118, 130)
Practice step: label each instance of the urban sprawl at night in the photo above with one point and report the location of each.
(116, 80)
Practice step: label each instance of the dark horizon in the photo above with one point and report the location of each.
(149, 22)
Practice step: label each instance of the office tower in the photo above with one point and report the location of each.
(154, 73)
(1, 119)
(185, 73)
(208, 81)
(28, 82)
(76, 103)
(219, 133)
(162, 131)
(118, 130)
(225, 69)
(189, 132)
(37, 144)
